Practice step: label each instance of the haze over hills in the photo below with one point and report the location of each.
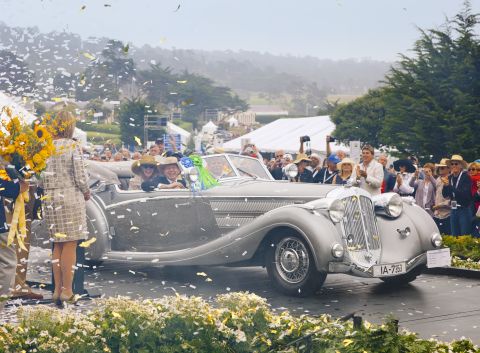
(248, 73)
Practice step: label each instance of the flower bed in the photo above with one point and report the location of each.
(236, 322)
(465, 251)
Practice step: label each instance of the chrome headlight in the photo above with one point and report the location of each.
(390, 204)
(336, 210)
(437, 240)
(337, 250)
(291, 170)
(192, 174)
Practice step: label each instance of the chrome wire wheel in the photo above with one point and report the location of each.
(292, 260)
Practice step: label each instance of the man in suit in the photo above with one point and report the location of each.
(168, 178)
(8, 256)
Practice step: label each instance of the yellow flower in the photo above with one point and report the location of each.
(41, 132)
(37, 159)
(9, 149)
(4, 175)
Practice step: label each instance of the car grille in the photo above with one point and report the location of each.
(360, 230)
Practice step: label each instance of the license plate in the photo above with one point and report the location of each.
(389, 269)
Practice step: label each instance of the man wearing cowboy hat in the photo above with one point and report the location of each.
(458, 187)
(405, 170)
(441, 209)
(304, 175)
(168, 179)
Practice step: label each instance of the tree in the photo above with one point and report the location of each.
(361, 119)
(131, 115)
(430, 101)
(433, 98)
(15, 77)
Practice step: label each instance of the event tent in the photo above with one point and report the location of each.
(22, 112)
(285, 134)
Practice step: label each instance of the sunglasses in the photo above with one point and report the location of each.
(454, 163)
(148, 167)
(474, 170)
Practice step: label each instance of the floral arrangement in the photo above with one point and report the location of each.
(234, 322)
(25, 146)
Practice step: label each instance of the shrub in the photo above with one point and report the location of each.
(465, 247)
(236, 322)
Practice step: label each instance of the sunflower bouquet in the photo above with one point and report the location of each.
(26, 147)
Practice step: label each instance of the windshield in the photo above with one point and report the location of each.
(251, 167)
(219, 167)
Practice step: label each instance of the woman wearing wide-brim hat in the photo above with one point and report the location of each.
(458, 187)
(168, 177)
(346, 171)
(144, 169)
(304, 175)
(405, 170)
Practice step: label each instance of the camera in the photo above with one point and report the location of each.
(331, 139)
(305, 138)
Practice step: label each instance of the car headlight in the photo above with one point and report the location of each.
(291, 170)
(337, 250)
(390, 204)
(336, 210)
(437, 240)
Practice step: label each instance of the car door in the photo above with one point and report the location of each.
(163, 220)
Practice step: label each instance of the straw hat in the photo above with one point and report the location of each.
(346, 160)
(443, 163)
(145, 160)
(167, 161)
(302, 157)
(457, 158)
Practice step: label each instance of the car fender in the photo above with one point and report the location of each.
(97, 227)
(424, 224)
(315, 228)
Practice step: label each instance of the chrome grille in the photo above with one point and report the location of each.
(360, 230)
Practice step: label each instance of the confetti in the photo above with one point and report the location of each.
(87, 243)
(203, 274)
(88, 56)
(60, 235)
(137, 140)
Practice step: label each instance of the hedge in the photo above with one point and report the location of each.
(234, 322)
(106, 128)
(465, 251)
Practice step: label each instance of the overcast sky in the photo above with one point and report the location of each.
(336, 29)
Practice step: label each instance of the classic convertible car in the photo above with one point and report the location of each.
(299, 232)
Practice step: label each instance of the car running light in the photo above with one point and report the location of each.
(437, 240)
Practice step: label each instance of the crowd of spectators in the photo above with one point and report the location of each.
(447, 190)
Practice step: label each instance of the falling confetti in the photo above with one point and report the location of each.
(137, 140)
(178, 8)
(88, 56)
(87, 243)
(60, 235)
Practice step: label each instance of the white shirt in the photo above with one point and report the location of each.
(405, 188)
(373, 182)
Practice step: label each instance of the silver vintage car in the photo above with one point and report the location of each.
(299, 232)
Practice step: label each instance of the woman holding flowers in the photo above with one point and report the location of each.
(66, 190)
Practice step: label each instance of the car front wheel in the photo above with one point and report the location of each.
(291, 267)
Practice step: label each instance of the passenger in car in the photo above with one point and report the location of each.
(144, 169)
(168, 178)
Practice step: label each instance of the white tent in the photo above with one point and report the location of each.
(285, 134)
(19, 110)
(209, 128)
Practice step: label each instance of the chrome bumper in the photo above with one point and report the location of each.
(341, 267)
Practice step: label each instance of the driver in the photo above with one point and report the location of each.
(168, 178)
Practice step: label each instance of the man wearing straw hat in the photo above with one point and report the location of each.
(441, 209)
(168, 178)
(458, 187)
(304, 175)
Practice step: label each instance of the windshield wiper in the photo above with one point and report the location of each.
(249, 174)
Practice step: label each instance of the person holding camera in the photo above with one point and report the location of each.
(458, 187)
(326, 174)
(369, 173)
(276, 167)
(425, 188)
